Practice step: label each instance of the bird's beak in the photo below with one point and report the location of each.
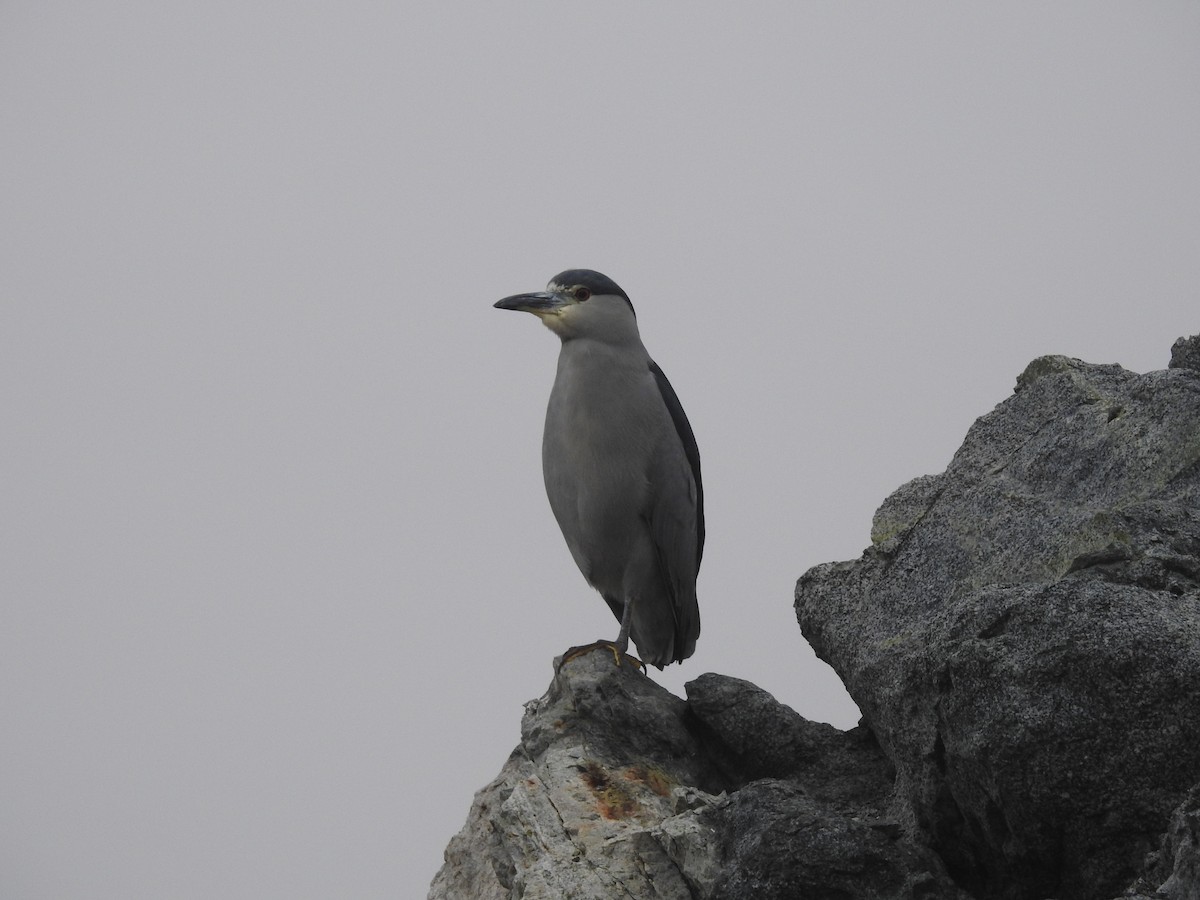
(543, 303)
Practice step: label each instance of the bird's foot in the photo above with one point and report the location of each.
(618, 654)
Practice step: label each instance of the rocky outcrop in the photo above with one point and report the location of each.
(586, 804)
(1173, 872)
(621, 789)
(1023, 638)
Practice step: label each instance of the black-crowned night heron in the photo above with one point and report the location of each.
(621, 466)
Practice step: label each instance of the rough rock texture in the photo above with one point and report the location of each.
(620, 789)
(1173, 872)
(1023, 637)
(1185, 353)
(583, 806)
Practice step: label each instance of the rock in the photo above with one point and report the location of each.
(1185, 353)
(581, 808)
(782, 844)
(750, 735)
(1181, 851)
(620, 789)
(1023, 637)
(1173, 872)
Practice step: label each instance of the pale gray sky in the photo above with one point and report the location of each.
(278, 568)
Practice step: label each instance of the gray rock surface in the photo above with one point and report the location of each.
(1023, 637)
(620, 789)
(1185, 353)
(1173, 872)
(584, 806)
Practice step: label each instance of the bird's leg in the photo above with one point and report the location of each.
(622, 643)
(619, 647)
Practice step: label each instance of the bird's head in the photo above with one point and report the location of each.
(580, 303)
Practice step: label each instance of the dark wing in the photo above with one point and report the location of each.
(677, 523)
(684, 429)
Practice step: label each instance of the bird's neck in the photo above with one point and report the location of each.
(588, 353)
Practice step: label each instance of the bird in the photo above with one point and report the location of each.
(621, 467)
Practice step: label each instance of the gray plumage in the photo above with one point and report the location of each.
(621, 466)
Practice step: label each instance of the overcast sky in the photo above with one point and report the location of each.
(278, 569)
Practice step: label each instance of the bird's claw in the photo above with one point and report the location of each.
(618, 654)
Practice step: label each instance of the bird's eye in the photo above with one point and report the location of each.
(581, 294)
